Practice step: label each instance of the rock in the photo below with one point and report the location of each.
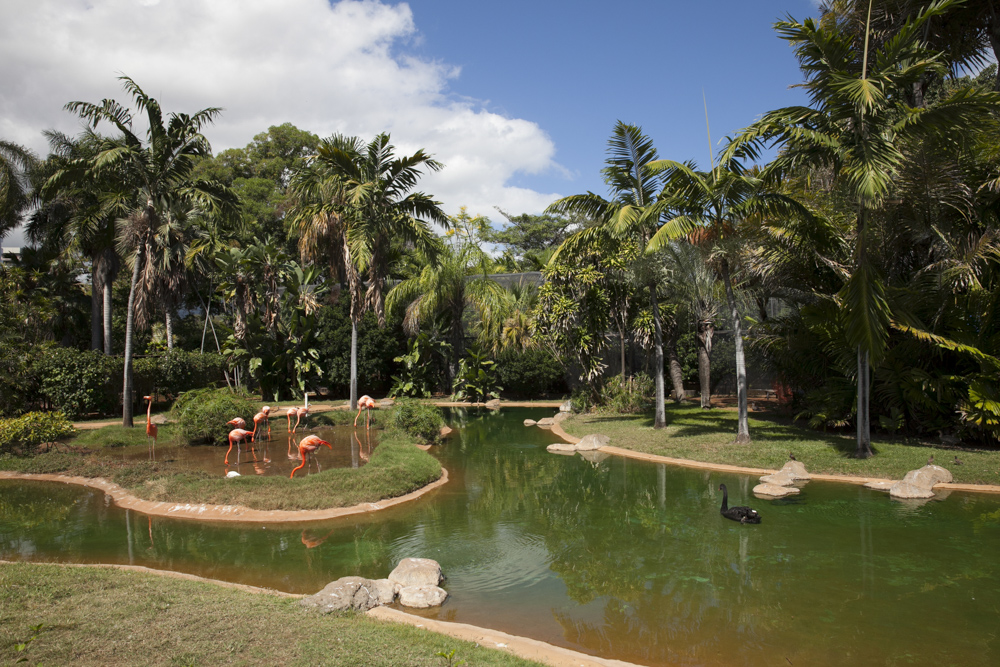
(795, 470)
(594, 457)
(879, 486)
(345, 593)
(494, 404)
(385, 403)
(446, 431)
(561, 448)
(547, 421)
(231, 474)
(928, 476)
(774, 491)
(592, 442)
(530, 422)
(566, 407)
(907, 490)
(416, 572)
(779, 479)
(561, 417)
(385, 591)
(422, 597)
(159, 419)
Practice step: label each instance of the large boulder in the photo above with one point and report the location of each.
(561, 448)
(928, 476)
(422, 597)
(880, 485)
(774, 491)
(594, 441)
(347, 593)
(384, 590)
(416, 572)
(566, 407)
(795, 470)
(907, 490)
(780, 478)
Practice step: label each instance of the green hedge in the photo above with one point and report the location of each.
(419, 420)
(203, 413)
(530, 374)
(23, 434)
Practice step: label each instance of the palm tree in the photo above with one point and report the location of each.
(633, 212)
(16, 164)
(153, 175)
(858, 126)
(360, 194)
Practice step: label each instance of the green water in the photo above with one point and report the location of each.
(616, 558)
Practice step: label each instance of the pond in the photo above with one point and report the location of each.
(612, 557)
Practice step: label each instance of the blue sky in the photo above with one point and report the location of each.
(517, 98)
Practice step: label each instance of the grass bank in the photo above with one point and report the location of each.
(102, 616)
(395, 469)
(707, 435)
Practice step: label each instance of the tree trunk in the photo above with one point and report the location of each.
(169, 325)
(96, 299)
(660, 420)
(743, 427)
(129, 329)
(354, 365)
(676, 372)
(706, 329)
(864, 449)
(107, 317)
(621, 337)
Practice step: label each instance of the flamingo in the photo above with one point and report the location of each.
(238, 422)
(262, 416)
(150, 429)
(365, 403)
(307, 446)
(236, 436)
(299, 414)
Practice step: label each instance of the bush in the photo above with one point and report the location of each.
(22, 434)
(203, 413)
(178, 371)
(79, 383)
(632, 396)
(418, 420)
(530, 373)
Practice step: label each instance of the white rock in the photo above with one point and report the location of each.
(774, 491)
(561, 417)
(385, 403)
(779, 479)
(547, 421)
(796, 470)
(879, 486)
(422, 597)
(416, 572)
(530, 422)
(907, 490)
(232, 473)
(592, 442)
(345, 593)
(385, 591)
(494, 404)
(561, 448)
(566, 407)
(928, 476)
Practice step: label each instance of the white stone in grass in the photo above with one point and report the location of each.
(416, 572)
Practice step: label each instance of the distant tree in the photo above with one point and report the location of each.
(16, 163)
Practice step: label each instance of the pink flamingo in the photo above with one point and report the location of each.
(257, 419)
(236, 436)
(238, 422)
(291, 413)
(299, 414)
(150, 428)
(365, 403)
(307, 446)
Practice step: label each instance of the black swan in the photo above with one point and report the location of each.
(741, 514)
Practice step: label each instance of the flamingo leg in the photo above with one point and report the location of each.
(301, 465)
(360, 408)
(229, 450)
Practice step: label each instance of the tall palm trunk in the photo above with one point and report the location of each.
(96, 299)
(354, 364)
(107, 317)
(621, 337)
(169, 325)
(864, 449)
(706, 329)
(129, 331)
(674, 361)
(743, 428)
(660, 420)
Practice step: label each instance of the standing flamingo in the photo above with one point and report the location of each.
(299, 414)
(291, 413)
(238, 422)
(307, 446)
(150, 429)
(365, 403)
(236, 436)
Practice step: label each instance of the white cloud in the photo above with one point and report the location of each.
(325, 68)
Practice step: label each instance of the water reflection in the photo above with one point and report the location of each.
(618, 558)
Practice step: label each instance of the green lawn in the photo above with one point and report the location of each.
(101, 616)
(707, 435)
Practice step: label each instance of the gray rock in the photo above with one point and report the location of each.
(561, 448)
(547, 421)
(907, 490)
(416, 572)
(386, 403)
(384, 590)
(592, 442)
(566, 407)
(796, 470)
(422, 597)
(779, 479)
(928, 476)
(343, 594)
(774, 491)
(561, 417)
(530, 422)
(494, 404)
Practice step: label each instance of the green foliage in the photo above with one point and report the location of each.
(449, 658)
(632, 396)
(36, 631)
(477, 378)
(422, 369)
(419, 420)
(79, 383)
(22, 434)
(981, 411)
(377, 349)
(203, 413)
(530, 373)
(177, 371)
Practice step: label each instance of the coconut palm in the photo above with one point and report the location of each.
(633, 212)
(16, 163)
(858, 126)
(154, 173)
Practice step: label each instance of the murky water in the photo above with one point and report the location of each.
(612, 557)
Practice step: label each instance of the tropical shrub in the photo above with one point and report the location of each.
(203, 413)
(178, 371)
(631, 396)
(530, 373)
(22, 434)
(477, 378)
(419, 420)
(79, 383)
(378, 347)
(422, 367)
